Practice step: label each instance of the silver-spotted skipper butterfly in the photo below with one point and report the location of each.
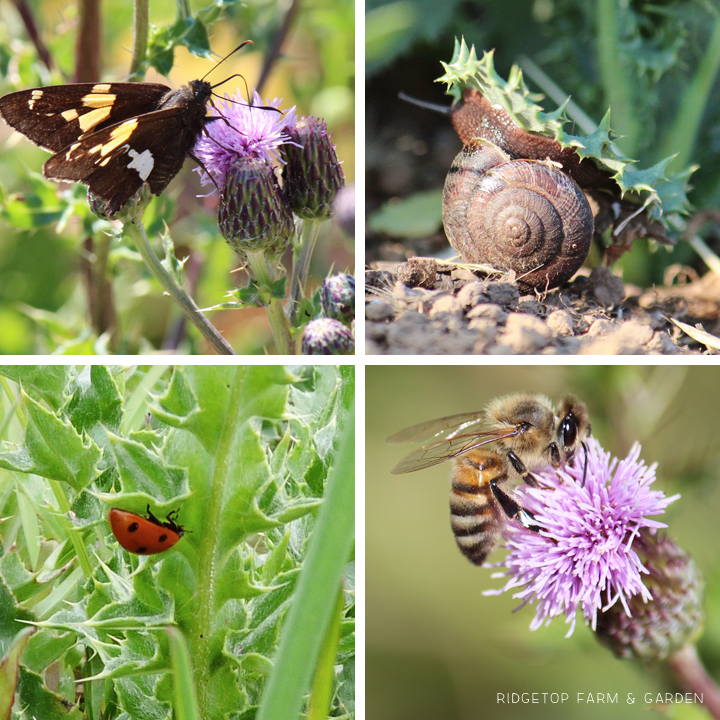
(112, 137)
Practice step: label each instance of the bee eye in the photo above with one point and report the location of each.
(568, 430)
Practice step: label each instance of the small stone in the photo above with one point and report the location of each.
(604, 287)
(445, 304)
(413, 319)
(568, 345)
(560, 323)
(502, 293)
(418, 272)
(376, 331)
(491, 311)
(601, 328)
(472, 294)
(530, 306)
(635, 333)
(378, 311)
(530, 322)
(524, 334)
(662, 344)
(486, 328)
(444, 283)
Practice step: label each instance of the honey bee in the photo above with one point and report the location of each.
(527, 433)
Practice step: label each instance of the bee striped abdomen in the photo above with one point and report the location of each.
(475, 516)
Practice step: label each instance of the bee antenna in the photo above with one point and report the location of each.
(586, 462)
(241, 45)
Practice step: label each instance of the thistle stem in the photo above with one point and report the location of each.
(689, 670)
(266, 275)
(136, 232)
(301, 266)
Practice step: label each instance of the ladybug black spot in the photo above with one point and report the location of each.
(162, 538)
(141, 551)
(132, 527)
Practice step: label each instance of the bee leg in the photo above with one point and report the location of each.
(521, 470)
(512, 509)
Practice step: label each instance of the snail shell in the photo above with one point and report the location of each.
(522, 215)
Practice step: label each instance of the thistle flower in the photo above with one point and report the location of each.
(583, 555)
(250, 131)
(326, 336)
(672, 620)
(337, 297)
(312, 174)
(237, 152)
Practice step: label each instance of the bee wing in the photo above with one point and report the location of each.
(449, 448)
(440, 426)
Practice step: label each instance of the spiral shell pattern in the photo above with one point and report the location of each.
(521, 215)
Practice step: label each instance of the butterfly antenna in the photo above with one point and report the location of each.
(247, 93)
(239, 47)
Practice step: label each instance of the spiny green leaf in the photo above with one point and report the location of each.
(650, 187)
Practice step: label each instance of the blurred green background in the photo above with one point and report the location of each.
(44, 305)
(436, 647)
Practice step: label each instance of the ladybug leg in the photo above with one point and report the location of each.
(151, 517)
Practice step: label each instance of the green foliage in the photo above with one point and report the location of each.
(249, 456)
(415, 216)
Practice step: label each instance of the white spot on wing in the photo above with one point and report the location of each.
(142, 162)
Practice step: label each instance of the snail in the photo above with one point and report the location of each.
(522, 215)
(499, 153)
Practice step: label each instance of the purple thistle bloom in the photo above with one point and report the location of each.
(248, 132)
(583, 554)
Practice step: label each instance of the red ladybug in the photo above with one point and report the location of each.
(144, 536)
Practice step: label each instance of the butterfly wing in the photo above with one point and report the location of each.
(115, 161)
(56, 116)
(111, 136)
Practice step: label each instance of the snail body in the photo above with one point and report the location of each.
(522, 215)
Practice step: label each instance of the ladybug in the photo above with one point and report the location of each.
(144, 536)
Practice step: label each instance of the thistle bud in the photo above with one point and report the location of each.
(312, 174)
(131, 210)
(253, 214)
(337, 297)
(326, 336)
(674, 616)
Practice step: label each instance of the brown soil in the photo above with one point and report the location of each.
(424, 307)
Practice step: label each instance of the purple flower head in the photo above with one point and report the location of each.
(583, 554)
(250, 131)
